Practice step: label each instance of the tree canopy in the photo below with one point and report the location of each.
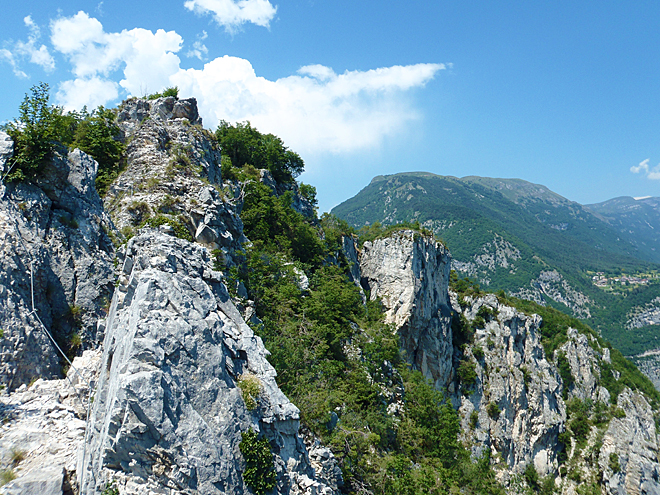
(245, 145)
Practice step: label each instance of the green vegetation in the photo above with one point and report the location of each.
(250, 386)
(16, 456)
(333, 354)
(259, 472)
(378, 231)
(7, 475)
(466, 373)
(41, 126)
(110, 489)
(614, 462)
(246, 145)
(172, 91)
(493, 410)
(177, 224)
(565, 372)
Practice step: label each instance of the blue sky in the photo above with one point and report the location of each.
(559, 93)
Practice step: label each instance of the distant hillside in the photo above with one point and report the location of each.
(637, 220)
(524, 238)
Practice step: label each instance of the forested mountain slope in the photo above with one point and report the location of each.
(512, 235)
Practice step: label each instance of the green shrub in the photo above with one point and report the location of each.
(531, 476)
(309, 193)
(618, 412)
(259, 472)
(527, 376)
(139, 211)
(250, 386)
(487, 313)
(180, 230)
(478, 352)
(467, 373)
(614, 462)
(17, 456)
(38, 126)
(493, 410)
(172, 91)
(7, 475)
(564, 368)
(97, 134)
(110, 489)
(474, 418)
(246, 145)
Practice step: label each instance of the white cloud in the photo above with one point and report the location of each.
(313, 111)
(28, 50)
(316, 110)
(199, 49)
(651, 173)
(146, 58)
(232, 14)
(92, 92)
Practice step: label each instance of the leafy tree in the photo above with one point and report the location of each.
(245, 145)
(38, 125)
(97, 134)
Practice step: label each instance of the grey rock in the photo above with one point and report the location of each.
(43, 423)
(6, 151)
(44, 481)
(58, 226)
(515, 375)
(634, 439)
(410, 273)
(168, 411)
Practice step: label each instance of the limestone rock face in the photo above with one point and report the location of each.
(172, 166)
(58, 224)
(168, 413)
(516, 399)
(410, 273)
(634, 441)
(43, 429)
(584, 362)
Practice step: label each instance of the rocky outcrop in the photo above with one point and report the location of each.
(168, 412)
(410, 273)
(642, 316)
(551, 284)
(632, 441)
(43, 428)
(514, 408)
(57, 227)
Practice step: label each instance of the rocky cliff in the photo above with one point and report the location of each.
(168, 410)
(181, 377)
(516, 406)
(56, 266)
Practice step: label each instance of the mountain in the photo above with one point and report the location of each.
(637, 220)
(199, 331)
(520, 237)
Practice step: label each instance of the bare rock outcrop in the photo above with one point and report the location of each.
(410, 273)
(514, 409)
(169, 413)
(57, 227)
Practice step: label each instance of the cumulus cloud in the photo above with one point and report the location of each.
(199, 49)
(29, 50)
(315, 110)
(147, 59)
(92, 92)
(643, 167)
(232, 14)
